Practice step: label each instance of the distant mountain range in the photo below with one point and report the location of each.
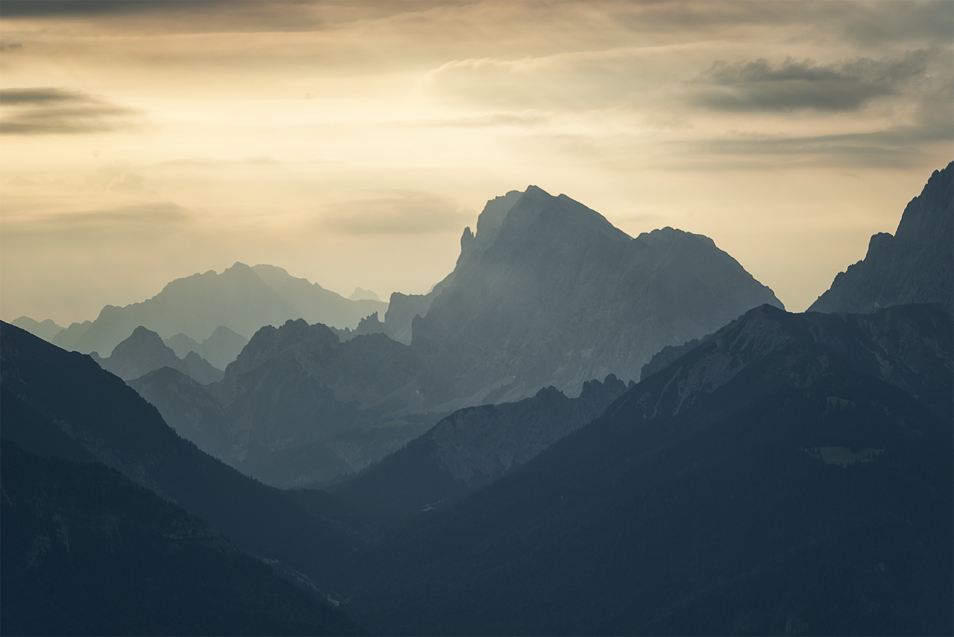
(776, 474)
(144, 352)
(547, 293)
(299, 406)
(241, 298)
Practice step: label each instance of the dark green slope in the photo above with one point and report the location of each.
(718, 496)
(87, 552)
(62, 404)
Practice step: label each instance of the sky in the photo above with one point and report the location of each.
(351, 142)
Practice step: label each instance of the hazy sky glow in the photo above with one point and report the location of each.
(350, 143)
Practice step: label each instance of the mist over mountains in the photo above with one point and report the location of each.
(770, 473)
(548, 293)
(241, 298)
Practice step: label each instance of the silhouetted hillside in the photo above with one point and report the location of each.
(58, 403)
(472, 448)
(792, 473)
(87, 552)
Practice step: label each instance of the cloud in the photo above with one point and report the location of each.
(792, 85)
(397, 213)
(145, 219)
(42, 111)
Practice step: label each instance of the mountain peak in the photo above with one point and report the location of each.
(913, 266)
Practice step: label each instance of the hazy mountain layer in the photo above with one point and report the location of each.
(473, 447)
(46, 329)
(554, 294)
(58, 403)
(916, 265)
(87, 552)
(242, 299)
(220, 349)
(144, 352)
(781, 477)
(298, 406)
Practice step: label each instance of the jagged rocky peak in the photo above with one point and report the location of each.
(270, 342)
(563, 296)
(912, 266)
(492, 217)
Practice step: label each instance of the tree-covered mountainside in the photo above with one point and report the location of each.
(86, 551)
(791, 474)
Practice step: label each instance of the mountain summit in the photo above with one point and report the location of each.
(550, 292)
(241, 298)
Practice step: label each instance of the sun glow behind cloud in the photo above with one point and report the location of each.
(350, 143)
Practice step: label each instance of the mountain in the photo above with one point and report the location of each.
(87, 552)
(220, 349)
(55, 403)
(241, 298)
(913, 266)
(360, 294)
(46, 329)
(299, 406)
(472, 448)
(790, 474)
(549, 292)
(144, 352)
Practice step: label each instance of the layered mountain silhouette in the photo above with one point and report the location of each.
(241, 298)
(791, 473)
(220, 349)
(62, 404)
(144, 352)
(550, 293)
(547, 293)
(915, 265)
(472, 448)
(87, 552)
(46, 330)
(299, 406)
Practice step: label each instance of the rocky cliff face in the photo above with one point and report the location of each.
(916, 265)
(549, 292)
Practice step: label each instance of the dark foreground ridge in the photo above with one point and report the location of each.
(88, 552)
(792, 473)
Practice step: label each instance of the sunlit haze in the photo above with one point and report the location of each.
(351, 143)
